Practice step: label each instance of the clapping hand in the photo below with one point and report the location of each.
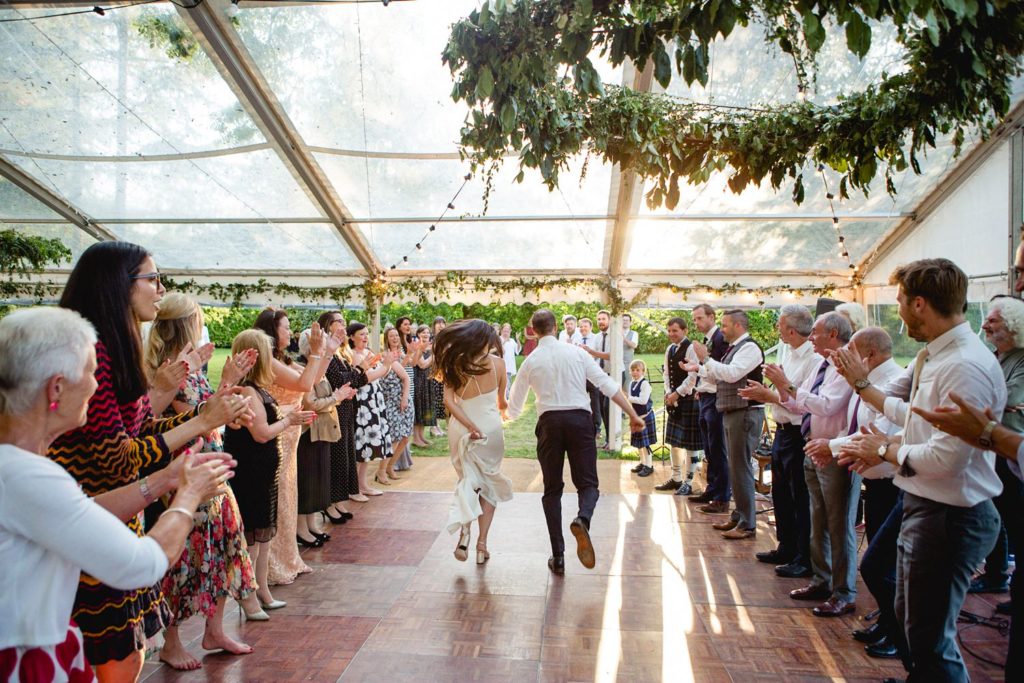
(691, 367)
(227, 406)
(334, 342)
(775, 374)
(818, 451)
(192, 357)
(964, 420)
(849, 364)
(236, 367)
(701, 351)
(316, 340)
(344, 393)
(170, 376)
(861, 451)
(755, 391)
(300, 417)
(205, 474)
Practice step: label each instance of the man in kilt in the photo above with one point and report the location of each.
(682, 414)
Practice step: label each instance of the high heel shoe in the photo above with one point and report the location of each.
(384, 481)
(393, 475)
(481, 554)
(258, 615)
(273, 604)
(340, 519)
(348, 515)
(316, 543)
(323, 538)
(462, 549)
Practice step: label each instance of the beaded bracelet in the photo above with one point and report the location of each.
(144, 489)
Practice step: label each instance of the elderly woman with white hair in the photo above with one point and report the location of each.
(1004, 330)
(50, 531)
(853, 312)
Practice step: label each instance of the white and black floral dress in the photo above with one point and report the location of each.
(373, 438)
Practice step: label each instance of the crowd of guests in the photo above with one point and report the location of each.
(940, 513)
(117, 431)
(123, 438)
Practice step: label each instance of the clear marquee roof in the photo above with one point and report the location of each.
(321, 138)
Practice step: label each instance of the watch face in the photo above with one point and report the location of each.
(881, 451)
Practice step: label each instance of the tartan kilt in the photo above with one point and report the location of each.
(683, 429)
(649, 434)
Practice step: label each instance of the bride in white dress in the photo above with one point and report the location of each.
(474, 393)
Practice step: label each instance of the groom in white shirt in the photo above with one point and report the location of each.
(558, 374)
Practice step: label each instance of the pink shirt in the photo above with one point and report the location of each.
(827, 407)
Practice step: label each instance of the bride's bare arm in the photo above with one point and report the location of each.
(455, 410)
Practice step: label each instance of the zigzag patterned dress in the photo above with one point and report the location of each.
(118, 440)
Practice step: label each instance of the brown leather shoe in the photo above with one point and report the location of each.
(834, 607)
(715, 507)
(738, 534)
(728, 525)
(811, 592)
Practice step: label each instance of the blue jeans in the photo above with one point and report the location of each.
(878, 569)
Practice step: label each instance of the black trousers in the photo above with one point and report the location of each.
(595, 407)
(880, 496)
(789, 495)
(562, 433)
(1015, 655)
(878, 569)
(712, 435)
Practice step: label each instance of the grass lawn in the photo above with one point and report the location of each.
(520, 441)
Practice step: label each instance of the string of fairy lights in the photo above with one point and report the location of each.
(844, 250)
(418, 248)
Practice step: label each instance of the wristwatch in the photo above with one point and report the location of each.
(791, 389)
(860, 385)
(882, 450)
(986, 434)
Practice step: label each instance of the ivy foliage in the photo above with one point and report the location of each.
(524, 68)
(22, 255)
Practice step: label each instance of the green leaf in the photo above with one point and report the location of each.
(508, 117)
(814, 32)
(485, 84)
(689, 65)
(932, 25)
(858, 35)
(485, 14)
(562, 21)
(662, 66)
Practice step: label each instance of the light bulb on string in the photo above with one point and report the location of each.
(419, 246)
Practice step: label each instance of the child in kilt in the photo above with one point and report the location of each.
(640, 397)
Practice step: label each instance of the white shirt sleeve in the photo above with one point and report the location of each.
(688, 385)
(520, 389)
(645, 393)
(943, 455)
(897, 393)
(746, 358)
(46, 505)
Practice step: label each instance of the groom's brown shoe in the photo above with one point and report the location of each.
(584, 548)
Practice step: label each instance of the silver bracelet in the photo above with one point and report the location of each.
(144, 489)
(182, 510)
(314, 355)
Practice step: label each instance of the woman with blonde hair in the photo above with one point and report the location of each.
(215, 563)
(291, 382)
(397, 386)
(258, 449)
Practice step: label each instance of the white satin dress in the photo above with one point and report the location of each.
(478, 463)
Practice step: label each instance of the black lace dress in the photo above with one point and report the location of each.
(256, 475)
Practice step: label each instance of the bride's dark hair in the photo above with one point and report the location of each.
(458, 350)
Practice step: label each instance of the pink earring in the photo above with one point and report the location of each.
(53, 406)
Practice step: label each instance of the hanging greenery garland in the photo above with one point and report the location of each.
(23, 255)
(524, 69)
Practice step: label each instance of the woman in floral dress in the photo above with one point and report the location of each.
(373, 437)
(398, 402)
(215, 563)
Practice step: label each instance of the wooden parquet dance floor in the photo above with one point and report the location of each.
(669, 600)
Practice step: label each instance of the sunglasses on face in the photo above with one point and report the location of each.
(152, 277)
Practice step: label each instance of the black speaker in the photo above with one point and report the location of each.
(826, 306)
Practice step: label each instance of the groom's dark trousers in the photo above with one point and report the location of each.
(563, 433)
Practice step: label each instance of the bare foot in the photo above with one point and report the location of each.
(221, 641)
(179, 659)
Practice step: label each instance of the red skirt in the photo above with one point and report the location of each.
(64, 663)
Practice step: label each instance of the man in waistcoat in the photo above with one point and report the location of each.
(742, 419)
(712, 436)
(682, 415)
